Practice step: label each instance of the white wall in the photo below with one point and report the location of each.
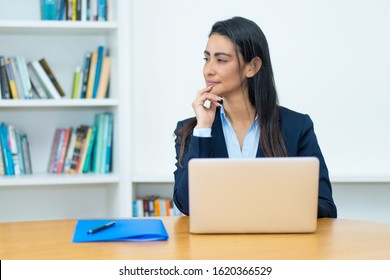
(331, 60)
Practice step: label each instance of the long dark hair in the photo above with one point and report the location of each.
(251, 42)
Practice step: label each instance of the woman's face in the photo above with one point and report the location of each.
(221, 68)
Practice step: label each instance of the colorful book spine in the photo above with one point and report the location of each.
(51, 76)
(11, 80)
(104, 78)
(63, 150)
(80, 138)
(91, 75)
(56, 139)
(26, 154)
(7, 154)
(108, 158)
(100, 55)
(5, 90)
(76, 81)
(20, 151)
(18, 80)
(25, 77)
(45, 81)
(36, 83)
(13, 148)
(58, 152)
(87, 164)
(87, 60)
(97, 156)
(83, 150)
(69, 154)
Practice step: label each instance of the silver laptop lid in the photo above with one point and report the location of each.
(262, 195)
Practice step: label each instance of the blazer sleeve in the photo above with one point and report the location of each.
(308, 146)
(199, 147)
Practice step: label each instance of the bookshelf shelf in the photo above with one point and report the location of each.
(43, 179)
(36, 103)
(53, 27)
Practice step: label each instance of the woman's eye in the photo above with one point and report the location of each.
(221, 60)
(205, 59)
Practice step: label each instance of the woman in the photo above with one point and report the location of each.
(237, 113)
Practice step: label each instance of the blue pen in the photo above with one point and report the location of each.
(103, 227)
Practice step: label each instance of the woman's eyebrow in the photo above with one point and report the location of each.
(217, 54)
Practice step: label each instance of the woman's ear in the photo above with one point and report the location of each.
(253, 67)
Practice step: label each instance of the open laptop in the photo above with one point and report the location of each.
(262, 195)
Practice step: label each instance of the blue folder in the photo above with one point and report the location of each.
(123, 230)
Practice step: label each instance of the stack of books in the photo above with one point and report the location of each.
(32, 80)
(83, 149)
(76, 10)
(92, 80)
(15, 156)
(154, 206)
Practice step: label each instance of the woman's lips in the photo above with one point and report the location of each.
(210, 83)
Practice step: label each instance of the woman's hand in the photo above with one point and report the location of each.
(205, 115)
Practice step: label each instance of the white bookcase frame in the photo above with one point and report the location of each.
(63, 44)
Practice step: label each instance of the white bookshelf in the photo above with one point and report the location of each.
(63, 44)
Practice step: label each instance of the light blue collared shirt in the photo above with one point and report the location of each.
(251, 141)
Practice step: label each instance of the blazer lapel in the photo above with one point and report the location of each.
(259, 150)
(218, 139)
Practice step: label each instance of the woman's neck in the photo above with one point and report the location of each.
(238, 109)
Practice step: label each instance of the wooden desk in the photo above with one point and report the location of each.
(334, 239)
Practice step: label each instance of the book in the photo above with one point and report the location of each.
(14, 149)
(81, 133)
(100, 55)
(20, 151)
(83, 9)
(36, 85)
(99, 142)
(17, 77)
(123, 230)
(74, 9)
(91, 75)
(51, 76)
(104, 78)
(26, 154)
(78, 9)
(108, 143)
(93, 10)
(58, 150)
(102, 10)
(11, 80)
(25, 77)
(49, 9)
(69, 153)
(83, 151)
(63, 148)
(54, 145)
(61, 9)
(45, 81)
(5, 90)
(87, 60)
(76, 83)
(7, 154)
(87, 163)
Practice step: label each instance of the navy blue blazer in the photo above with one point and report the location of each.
(300, 140)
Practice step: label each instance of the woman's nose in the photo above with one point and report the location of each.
(208, 69)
